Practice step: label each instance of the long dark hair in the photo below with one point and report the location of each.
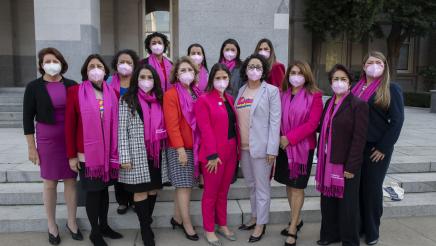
(84, 69)
(238, 51)
(272, 58)
(204, 62)
(215, 68)
(131, 96)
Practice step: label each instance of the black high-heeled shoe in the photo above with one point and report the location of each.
(75, 236)
(106, 231)
(254, 239)
(245, 227)
(285, 232)
(194, 237)
(175, 224)
(54, 240)
(325, 242)
(295, 241)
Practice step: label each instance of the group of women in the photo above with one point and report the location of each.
(152, 122)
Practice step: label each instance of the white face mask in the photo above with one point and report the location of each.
(157, 49)
(265, 53)
(221, 84)
(52, 68)
(198, 59)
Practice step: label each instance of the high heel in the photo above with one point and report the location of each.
(76, 236)
(175, 224)
(295, 241)
(245, 227)
(190, 237)
(54, 240)
(254, 239)
(285, 232)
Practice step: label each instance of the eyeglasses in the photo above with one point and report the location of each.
(252, 67)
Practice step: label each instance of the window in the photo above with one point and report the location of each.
(335, 52)
(157, 19)
(405, 59)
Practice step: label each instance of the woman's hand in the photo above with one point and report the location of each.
(270, 159)
(74, 164)
(183, 158)
(348, 175)
(212, 165)
(284, 142)
(376, 155)
(33, 155)
(126, 166)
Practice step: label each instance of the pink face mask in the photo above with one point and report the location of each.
(198, 59)
(96, 75)
(124, 69)
(157, 49)
(340, 87)
(146, 85)
(374, 70)
(265, 53)
(296, 80)
(254, 74)
(186, 78)
(220, 85)
(229, 55)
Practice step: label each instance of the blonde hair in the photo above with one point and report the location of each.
(304, 67)
(383, 94)
(184, 59)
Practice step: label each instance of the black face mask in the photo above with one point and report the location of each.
(98, 88)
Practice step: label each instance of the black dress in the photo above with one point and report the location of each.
(93, 184)
(281, 174)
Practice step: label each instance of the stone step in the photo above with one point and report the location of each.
(31, 193)
(11, 107)
(33, 218)
(12, 90)
(11, 116)
(11, 124)
(12, 98)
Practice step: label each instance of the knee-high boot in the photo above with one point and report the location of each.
(142, 209)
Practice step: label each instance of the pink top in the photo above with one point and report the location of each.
(212, 120)
(308, 129)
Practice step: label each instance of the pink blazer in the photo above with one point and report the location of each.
(308, 129)
(212, 120)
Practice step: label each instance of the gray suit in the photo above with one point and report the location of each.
(264, 139)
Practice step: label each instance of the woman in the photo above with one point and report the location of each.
(341, 143)
(44, 101)
(301, 112)
(259, 111)
(156, 45)
(124, 63)
(386, 117)
(91, 123)
(142, 134)
(230, 56)
(216, 120)
(276, 69)
(196, 52)
(183, 139)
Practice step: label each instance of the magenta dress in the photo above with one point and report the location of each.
(50, 138)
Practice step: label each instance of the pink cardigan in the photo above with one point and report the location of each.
(276, 75)
(308, 129)
(212, 120)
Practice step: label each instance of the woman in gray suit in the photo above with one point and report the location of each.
(259, 112)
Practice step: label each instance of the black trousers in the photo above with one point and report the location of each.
(340, 216)
(371, 193)
(122, 196)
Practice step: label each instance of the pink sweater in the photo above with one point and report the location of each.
(308, 129)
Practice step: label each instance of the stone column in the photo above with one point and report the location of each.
(73, 27)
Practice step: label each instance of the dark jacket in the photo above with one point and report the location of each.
(37, 104)
(349, 130)
(385, 125)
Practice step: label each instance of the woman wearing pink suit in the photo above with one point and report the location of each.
(218, 154)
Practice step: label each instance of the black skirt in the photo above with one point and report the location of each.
(93, 184)
(154, 184)
(281, 174)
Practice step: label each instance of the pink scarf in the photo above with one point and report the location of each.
(295, 113)
(365, 94)
(154, 130)
(115, 83)
(329, 176)
(164, 78)
(100, 138)
(203, 76)
(229, 64)
(187, 106)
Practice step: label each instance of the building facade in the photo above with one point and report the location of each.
(81, 27)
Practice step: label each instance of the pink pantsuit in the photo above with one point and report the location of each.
(213, 121)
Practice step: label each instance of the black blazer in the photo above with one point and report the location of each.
(385, 125)
(349, 129)
(37, 104)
